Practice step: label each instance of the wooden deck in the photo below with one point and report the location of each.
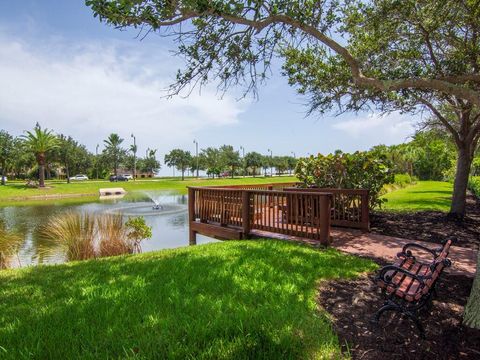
(239, 212)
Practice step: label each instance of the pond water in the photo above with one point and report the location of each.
(169, 222)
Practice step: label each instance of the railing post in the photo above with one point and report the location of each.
(325, 204)
(191, 216)
(246, 213)
(365, 211)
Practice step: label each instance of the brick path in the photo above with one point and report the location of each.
(464, 260)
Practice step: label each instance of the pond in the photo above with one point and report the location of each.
(169, 222)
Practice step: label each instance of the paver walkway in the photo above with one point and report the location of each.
(464, 260)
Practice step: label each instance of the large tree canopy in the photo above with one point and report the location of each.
(404, 55)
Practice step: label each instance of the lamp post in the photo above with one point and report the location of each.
(196, 153)
(243, 159)
(96, 160)
(134, 157)
(294, 158)
(271, 162)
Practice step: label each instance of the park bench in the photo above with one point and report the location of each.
(409, 283)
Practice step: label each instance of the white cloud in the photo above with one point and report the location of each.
(383, 126)
(91, 90)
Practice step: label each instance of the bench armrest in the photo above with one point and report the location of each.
(384, 275)
(406, 252)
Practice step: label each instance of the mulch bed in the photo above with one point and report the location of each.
(431, 226)
(351, 304)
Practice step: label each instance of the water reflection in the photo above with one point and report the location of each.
(169, 230)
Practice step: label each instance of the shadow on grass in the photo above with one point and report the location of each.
(231, 300)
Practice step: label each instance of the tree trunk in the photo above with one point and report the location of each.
(2, 180)
(41, 175)
(472, 310)
(464, 163)
(41, 169)
(67, 174)
(183, 174)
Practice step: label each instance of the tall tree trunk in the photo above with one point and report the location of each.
(183, 174)
(41, 169)
(464, 163)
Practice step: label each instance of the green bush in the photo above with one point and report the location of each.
(474, 185)
(360, 170)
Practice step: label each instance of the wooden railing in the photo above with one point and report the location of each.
(305, 214)
(237, 212)
(350, 207)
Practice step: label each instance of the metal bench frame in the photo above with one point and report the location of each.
(393, 302)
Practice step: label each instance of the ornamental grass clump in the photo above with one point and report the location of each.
(86, 236)
(10, 243)
(75, 233)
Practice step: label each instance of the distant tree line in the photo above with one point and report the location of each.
(226, 161)
(41, 154)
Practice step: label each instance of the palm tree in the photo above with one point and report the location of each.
(39, 142)
(113, 150)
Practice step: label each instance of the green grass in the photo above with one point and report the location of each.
(17, 190)
(230, 300)
(423, 196)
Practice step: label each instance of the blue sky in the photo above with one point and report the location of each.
(63, 68)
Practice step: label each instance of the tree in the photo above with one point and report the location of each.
(253, 160)
(6, 150)
(211, 160)
(150, 164)
(113, 152)
(230, 158)
(180, 159)
(39, 142)
(74, 157)
(352, 55)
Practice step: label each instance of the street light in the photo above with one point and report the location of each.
(134, 157)
(96, 160)
(243, 158)
(294, 156)
(196, 153)
(271, 162)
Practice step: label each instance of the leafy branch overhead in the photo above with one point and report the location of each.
(347, 55)
(388, 40)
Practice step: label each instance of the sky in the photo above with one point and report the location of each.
(62, 68)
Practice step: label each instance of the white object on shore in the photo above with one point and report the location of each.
(108, 192)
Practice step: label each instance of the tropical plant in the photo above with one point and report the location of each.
(137, 230)
(179, 159)
(113, 151)
(39, 142)
(360, 170)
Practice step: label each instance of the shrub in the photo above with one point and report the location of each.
(474, 185)
(86, 236)
(360, 170)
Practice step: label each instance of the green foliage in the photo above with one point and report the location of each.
(474, 185)
(180, 159)
(6, 151)
(114, 154)
(228, 300)
(360, 170)
(138, 230)
(253, 160)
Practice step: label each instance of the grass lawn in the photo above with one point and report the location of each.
(424, 195)
(230, 300)
(18, 191)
